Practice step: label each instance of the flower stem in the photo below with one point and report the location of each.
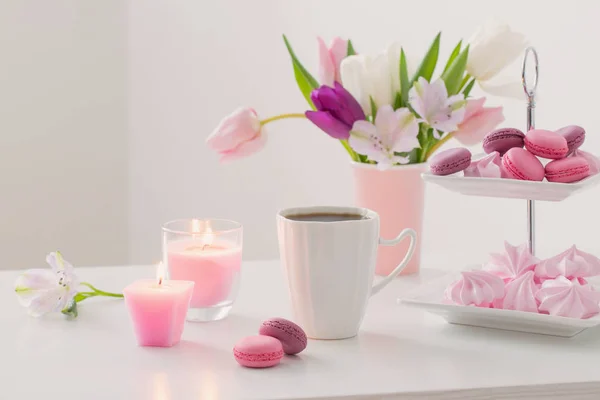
(282, 116)
(438, 145)
(350, 150)
(98, 292)
(81, 296)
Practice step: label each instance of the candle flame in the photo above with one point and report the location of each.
(160, 273)
(203, 230)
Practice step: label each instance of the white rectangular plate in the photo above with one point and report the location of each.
(429, 298)
(510, 188)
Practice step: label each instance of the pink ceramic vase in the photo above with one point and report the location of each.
(397, 195)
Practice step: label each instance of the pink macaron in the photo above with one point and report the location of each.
(502, 140)
(567, 170)
(574, 135)
(291, 336)
(258, 351)
(520, 164)
(450, 161)
(546, 144)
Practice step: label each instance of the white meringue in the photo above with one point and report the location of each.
(568, 298)
(512, 263)
(478, 288)
(571, 263)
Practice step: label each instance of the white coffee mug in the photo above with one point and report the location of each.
(330, 267)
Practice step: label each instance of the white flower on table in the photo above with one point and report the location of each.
(393, 132)
(431, 102)
(43, 291)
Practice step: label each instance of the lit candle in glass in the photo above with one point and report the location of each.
(209, 253)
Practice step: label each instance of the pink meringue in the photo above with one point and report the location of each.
(590, 158)
(478, 288)
(513, 263)
(571, 263)
(568, 298)
(520, 294)
(489, 166)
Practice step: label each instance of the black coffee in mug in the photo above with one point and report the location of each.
(326, 217)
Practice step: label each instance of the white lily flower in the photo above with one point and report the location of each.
(493, 47)
(431, 102)
(376, 77)
(43, 291)
(393, 132)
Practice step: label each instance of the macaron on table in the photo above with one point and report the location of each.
(258, 351)
(524, 294)
(276, 337)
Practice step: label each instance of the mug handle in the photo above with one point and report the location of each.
(392, 242)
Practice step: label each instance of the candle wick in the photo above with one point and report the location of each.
(204, 246)
(160, 281)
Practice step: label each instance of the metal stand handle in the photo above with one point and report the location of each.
(530, 89)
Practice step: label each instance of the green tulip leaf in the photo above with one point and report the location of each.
(398, 101)
(453, 55)
(304, 79)
(373, 108)
(468, 88)
(454, 74)
(351, 50)
(405, 84)
(429, 62)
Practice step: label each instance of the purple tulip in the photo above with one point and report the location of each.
(336, 111)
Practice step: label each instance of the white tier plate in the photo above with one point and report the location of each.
(429, 298)
(510, 188)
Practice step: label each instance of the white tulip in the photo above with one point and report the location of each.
(493, 48)
(376, 77)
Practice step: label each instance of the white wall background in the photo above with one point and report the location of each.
(75, 177)
(193, 62)
(63, 139)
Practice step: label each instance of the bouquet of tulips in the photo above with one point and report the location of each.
(384, 111)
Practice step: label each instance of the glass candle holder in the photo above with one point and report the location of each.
(209, 253)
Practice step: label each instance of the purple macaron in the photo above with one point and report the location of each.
(502, 140)
(450, 161)
(291, 336)
(574, 135)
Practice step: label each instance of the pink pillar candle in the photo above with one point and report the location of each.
(214, 268)
(158, 310)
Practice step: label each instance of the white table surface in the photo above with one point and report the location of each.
(400, 353)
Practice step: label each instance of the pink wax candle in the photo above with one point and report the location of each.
(209, 253)
(214, 268)
(158, 310)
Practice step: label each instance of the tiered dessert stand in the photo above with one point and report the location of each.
(430, 296)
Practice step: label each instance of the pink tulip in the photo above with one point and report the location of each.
(238, 135)
(330, 60)
(477, 122)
